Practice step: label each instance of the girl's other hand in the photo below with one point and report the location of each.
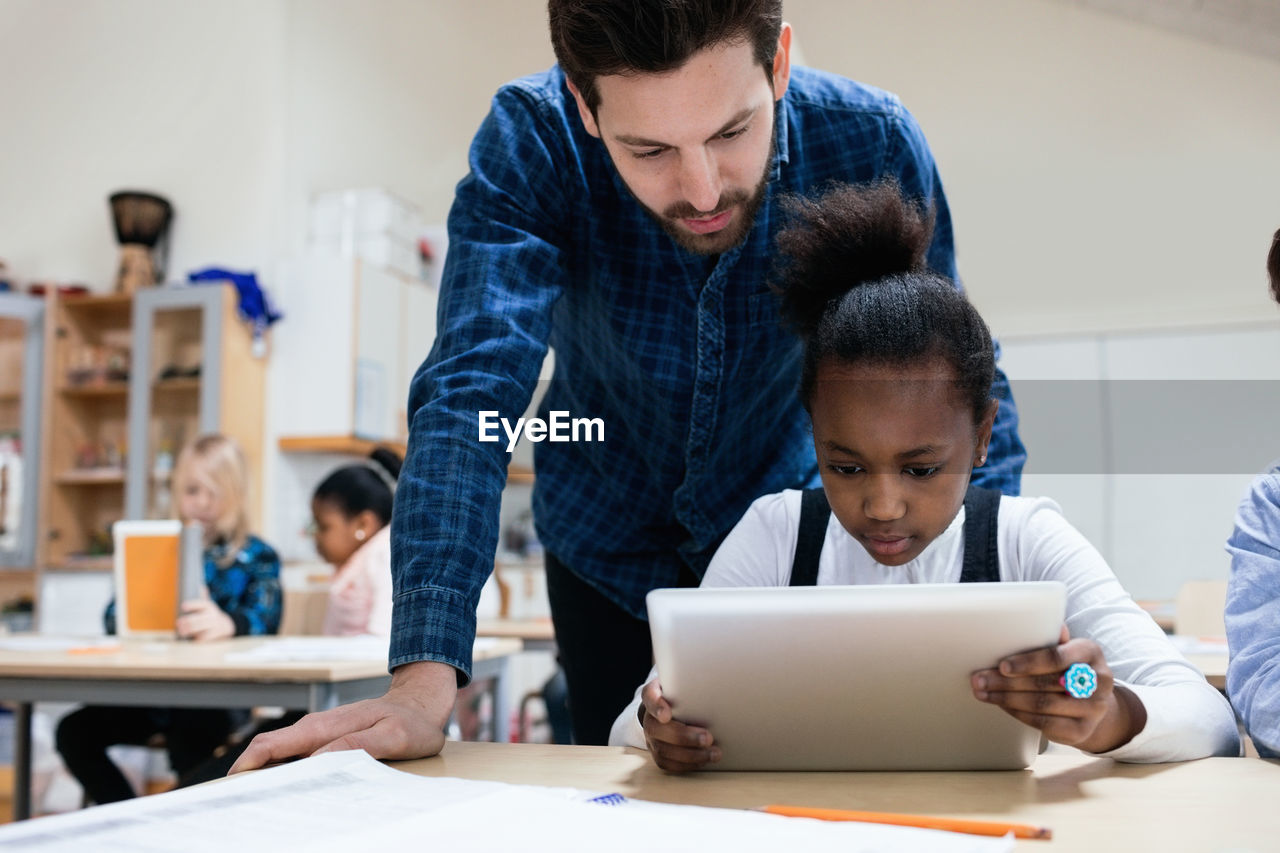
(675, 746)
(1028, 686)
(202, 620)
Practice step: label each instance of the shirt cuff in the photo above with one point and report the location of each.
(1184, 722)
(627, 730)
(435, 624)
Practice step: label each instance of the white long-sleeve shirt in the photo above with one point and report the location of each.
(1186, 717)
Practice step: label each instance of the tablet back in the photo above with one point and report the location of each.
(146, 562)
(851, 677)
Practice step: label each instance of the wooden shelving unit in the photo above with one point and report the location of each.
(119, 388)
(22, 323)
(352, 446)
(109, 415)
(88, 346)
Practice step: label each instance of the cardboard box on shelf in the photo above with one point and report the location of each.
(350, 215)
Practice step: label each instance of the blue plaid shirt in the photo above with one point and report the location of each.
(681, 355)
(247, 589)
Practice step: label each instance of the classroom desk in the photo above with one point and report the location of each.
(536, 634)
(1091, 804)
(196, 675)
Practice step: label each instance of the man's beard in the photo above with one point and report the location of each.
(726, 238)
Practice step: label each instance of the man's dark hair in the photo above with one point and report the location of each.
(855, 287)
(594, 38)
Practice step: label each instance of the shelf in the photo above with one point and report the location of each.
(96, 301)
(91, 477)
(350, 445)
(347, 444)
(184, 384)
(104, 563)
(118, 388)
(519, 475)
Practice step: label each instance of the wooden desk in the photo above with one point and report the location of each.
(1091, 804)
(198, 675)
(536, 634)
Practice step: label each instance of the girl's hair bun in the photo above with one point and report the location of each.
(845, 237)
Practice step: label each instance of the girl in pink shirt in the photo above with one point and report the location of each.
(352, 511)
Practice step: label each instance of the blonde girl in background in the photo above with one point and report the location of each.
(242, 576)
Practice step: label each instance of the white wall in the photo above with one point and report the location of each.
(1103, 173)
(101, 95)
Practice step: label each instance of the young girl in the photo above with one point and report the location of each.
(351, 511)
(242, 573)
(896, 379)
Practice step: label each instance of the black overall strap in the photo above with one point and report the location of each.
(815, 512)
(981, 551)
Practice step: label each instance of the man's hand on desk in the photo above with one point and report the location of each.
(407, 722)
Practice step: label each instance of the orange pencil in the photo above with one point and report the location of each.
(950, 824)
(93, 650)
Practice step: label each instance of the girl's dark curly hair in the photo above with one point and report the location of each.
(854, 285)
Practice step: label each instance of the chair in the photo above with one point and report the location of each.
(1199, 607)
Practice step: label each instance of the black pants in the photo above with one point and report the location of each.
(220, 764)
(605, 651)
(190, 734)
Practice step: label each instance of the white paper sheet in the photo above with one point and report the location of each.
(52, 643)
(364, 647)
(282, 649)
(346, 801)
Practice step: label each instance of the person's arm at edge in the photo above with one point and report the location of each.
(1253, 612)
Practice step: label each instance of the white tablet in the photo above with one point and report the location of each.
(851, 677)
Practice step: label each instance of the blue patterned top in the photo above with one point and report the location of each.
(681, 355)
(1253, 613)
(247, 589)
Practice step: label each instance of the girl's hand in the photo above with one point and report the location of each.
(1028, 686)
(676, 747)
(202, 620)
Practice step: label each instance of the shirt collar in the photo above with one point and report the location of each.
(782, 154)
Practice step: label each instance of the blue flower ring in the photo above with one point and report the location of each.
(1080, 680)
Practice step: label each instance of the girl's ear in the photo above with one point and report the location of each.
(984, 433)
(367, 524)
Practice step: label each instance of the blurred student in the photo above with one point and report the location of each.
(351, 516)
(896, 379)
(352, 513)
(242, 576)
(1253, 595)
